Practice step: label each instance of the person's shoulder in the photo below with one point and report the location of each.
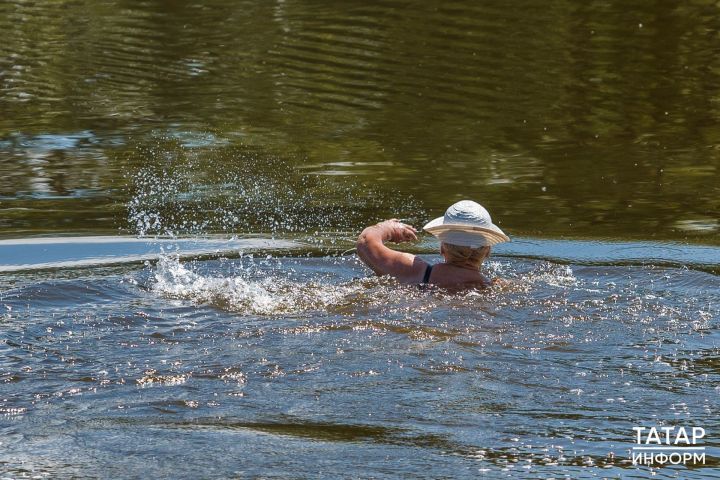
(415, 271)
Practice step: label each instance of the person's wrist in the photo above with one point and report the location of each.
(385, 230)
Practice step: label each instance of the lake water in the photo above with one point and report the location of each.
(182, 185)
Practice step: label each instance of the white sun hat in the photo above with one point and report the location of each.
(468, 224)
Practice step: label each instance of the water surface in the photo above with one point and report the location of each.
(579, 120)
(304, 366)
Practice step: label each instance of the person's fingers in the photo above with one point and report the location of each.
(408, 234)
(402, 232)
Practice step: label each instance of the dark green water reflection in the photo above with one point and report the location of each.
(595, 119)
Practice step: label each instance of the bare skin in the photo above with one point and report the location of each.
(406, 267)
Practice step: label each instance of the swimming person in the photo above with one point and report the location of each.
(466, 235)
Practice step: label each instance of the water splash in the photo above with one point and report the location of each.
(248, 293)
(269, 286)
(230, 189)
(553, 274)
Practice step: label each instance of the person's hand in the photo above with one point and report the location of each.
(398, 232)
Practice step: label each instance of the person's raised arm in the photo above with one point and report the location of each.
(385, 261)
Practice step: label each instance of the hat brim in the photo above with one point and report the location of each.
(466, 235)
